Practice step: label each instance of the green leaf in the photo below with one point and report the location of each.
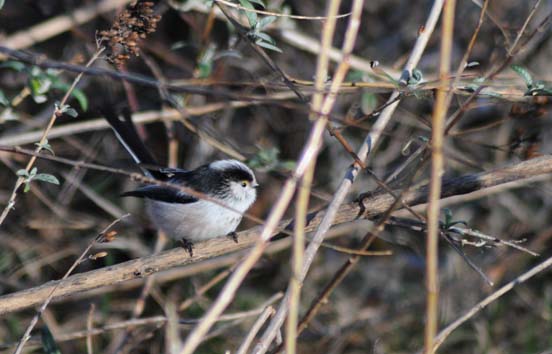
(369, 102)
(227, 54)
(14, 65)
(355, 75)
(264, 158)
(22, 173)
(265, 21)
(539, 91)
(81, 99)
(205, 70)
(45, 177)
(40, 98)
(77, 93)
(45, 146)
(71, 112)
(251, 15)
(287, 165)
(476, 83)
(180, 44)
(525, 75)
(39, 85)
(49, 344)
(453, 223)
(448, 217)
(416, 77)
(34, 85)
(265, 37)
(3, 99)
(1, 4)
(205, 64)
(268, 46)
(33, 172)
(43, 84)
(379, 71)
(27, 187)
(8, 114)
(259, 2)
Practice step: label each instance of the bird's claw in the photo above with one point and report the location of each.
(188, 246)
(234, 236)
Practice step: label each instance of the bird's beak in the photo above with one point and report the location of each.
(255, 185)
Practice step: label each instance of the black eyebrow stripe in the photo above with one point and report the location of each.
(238, 174)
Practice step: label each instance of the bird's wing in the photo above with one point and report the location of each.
(162, 194)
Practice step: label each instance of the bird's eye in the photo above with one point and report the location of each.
(244, 184)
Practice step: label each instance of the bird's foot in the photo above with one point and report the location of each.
(234, 236)
(188, 246)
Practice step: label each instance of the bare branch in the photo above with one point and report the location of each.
(370, 207)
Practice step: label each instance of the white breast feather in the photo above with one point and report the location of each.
(201, 220)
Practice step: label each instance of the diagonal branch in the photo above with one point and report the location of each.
(350, 176)
(370, 207)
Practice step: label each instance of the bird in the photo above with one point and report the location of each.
(230, 185)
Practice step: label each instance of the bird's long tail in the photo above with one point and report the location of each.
(127, 135)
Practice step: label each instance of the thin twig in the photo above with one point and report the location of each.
(369, 207)
(203, 289)
(41, 61)
(523, 28)
(27, 335)
(244, 346)
(239, 315)
(40, 144)
(356, 252)
(271, 13)
(297, 256)
(243, 31)
(350, 176)
(511, 52)
(308, 156)
(350, 263)
(442, 336)
(138, 118)
(133, 176)
(319, 80)
(155, 320)
(303, 195)
(494, 240)
(437, 169)
(89, 328)
(59, 24)
(464, 61)
(140, 304)
(347, 267)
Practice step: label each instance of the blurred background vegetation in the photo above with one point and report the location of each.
(378, 308)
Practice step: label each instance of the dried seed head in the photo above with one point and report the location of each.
(107, 236)
(98, 255)
(133, 24)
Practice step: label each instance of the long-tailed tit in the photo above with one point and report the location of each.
(182, 216)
